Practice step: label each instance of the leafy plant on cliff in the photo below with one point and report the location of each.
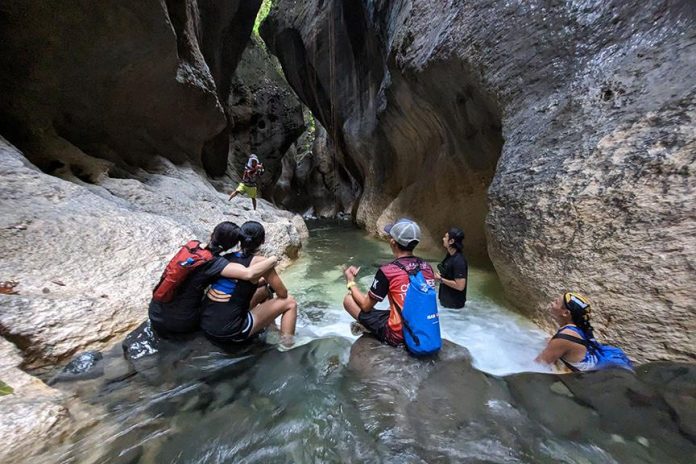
(261, 15)
(5, 389)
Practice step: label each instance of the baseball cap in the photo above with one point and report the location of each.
(404, 232)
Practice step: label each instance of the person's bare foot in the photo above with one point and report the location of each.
(358, 329)
(286, 342)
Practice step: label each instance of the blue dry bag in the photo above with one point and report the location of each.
(609, 357)
(419, 317)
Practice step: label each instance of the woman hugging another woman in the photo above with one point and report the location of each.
(236, 309)
(179, 311)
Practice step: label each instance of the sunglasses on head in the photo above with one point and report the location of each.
(574, 302)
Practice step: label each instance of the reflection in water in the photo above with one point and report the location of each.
(337, 399)
(500, 341)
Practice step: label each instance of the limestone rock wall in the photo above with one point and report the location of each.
(122, 81)
(87, 255)
(560, 136)
(314, 179)
(265, 117)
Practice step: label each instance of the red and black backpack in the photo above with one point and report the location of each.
(189, 257)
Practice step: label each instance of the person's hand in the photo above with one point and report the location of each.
(350, 272)
(275, 259)
(438, 277)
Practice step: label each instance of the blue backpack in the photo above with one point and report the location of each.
(419, 317)
(608, 357)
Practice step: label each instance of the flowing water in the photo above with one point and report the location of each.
(337, 398)
(500, 341)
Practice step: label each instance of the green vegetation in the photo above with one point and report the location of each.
(5, 389)
(261, 15)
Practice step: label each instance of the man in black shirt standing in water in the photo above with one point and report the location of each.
(453, 271)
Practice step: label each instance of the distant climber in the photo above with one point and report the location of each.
(393, 280)
(574, 343)
(252, 171)
(453, 271)
(176, 301)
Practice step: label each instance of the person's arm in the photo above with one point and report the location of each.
(458, 270)
(276, 283)
(554, 351)
(364, 301)
(457, 284)
(259, 266)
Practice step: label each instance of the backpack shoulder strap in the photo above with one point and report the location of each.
(415, 271)
(570, 338)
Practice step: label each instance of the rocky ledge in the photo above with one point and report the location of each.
(87, 255)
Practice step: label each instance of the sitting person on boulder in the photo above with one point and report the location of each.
(176, 302)
(574, 343)
(228, 315)
(392, 281)
(252, 171)
(453, 271)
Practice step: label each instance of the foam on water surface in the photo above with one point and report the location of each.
(500, 340)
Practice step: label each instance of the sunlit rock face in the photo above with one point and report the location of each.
(559, 137)
(87, 254)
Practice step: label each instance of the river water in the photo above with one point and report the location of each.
(500, 341)
(338, 398)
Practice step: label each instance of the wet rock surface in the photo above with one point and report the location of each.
(331, 401)
(567, 128)
(85, 365)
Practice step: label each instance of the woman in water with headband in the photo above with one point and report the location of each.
(572, 344)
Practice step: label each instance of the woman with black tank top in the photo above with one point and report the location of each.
(182, 314)
(453, 271)
(227, 313)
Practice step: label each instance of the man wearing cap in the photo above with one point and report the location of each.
(252, 171)
(390, 282)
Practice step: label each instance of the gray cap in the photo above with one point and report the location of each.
(404, 232)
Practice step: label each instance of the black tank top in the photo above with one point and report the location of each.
(228, 318)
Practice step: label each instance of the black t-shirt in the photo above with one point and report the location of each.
(453, 267)
(224, 319)
(188, 297)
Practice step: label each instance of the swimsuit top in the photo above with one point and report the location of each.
(589, 361)
(235, 291)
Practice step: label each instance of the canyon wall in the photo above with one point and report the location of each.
(559, 136)
(110, 121)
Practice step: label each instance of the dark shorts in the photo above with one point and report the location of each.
(233, 335)
(376, 322)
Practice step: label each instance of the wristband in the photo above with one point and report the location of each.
(351, 284)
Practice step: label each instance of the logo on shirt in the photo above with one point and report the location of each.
(375, 284)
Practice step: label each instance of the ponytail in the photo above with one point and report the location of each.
(226, 235)
(580, 312)
(252, 236)
(457, 235)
